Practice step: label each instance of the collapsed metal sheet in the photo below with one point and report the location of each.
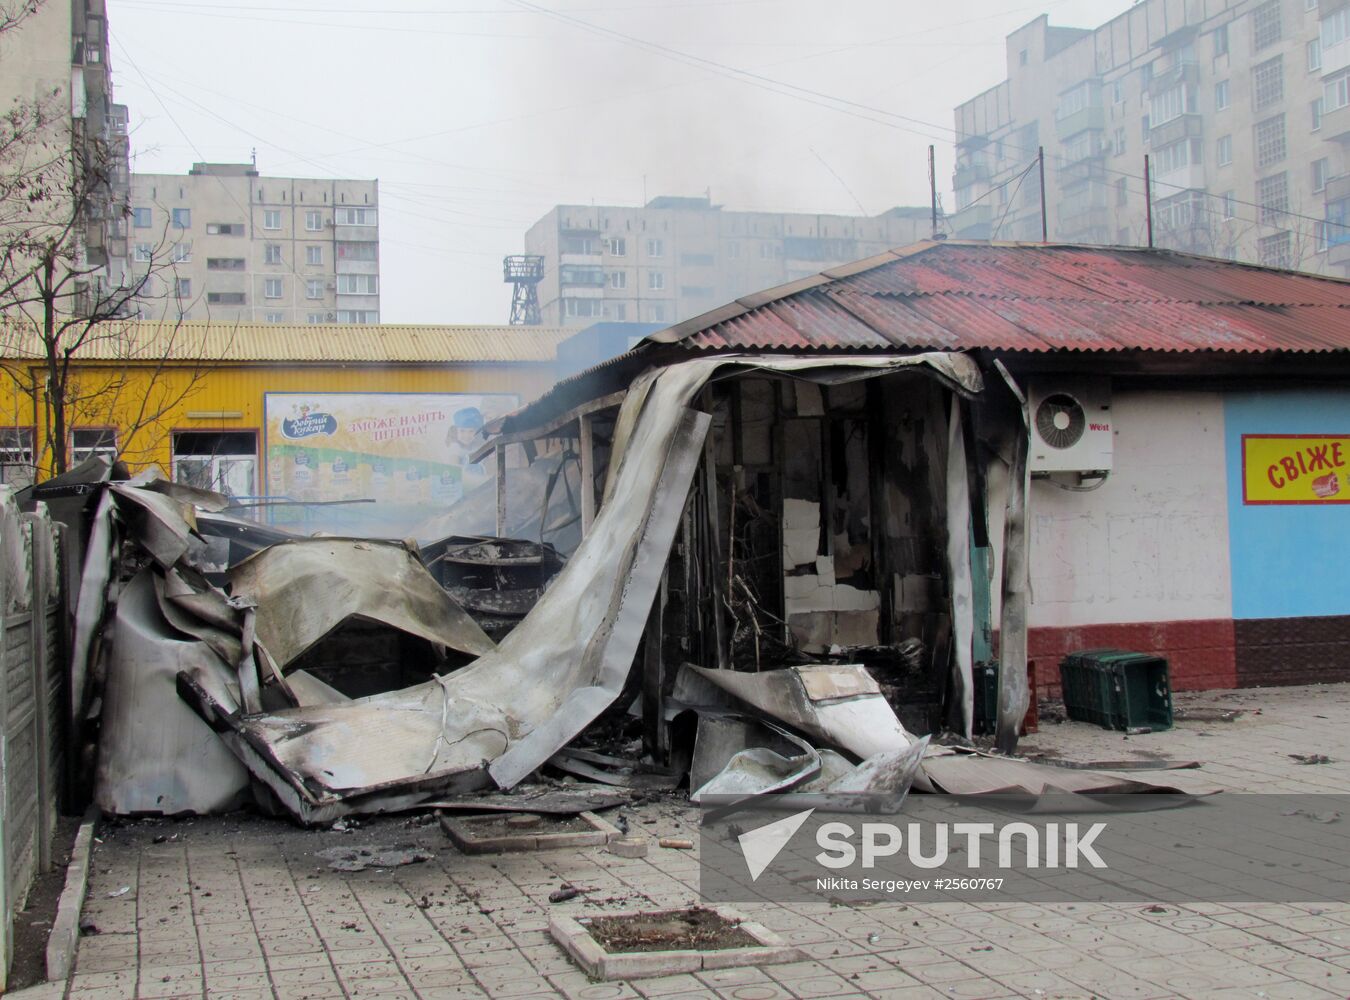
(155, 755)
(304, 588)
(754, 769)
(980, 774)
(847, 709)
(507, 713)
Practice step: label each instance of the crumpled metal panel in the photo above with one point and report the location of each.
(306, 587)
(968, 296)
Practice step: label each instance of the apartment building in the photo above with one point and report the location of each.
(677, 257)
(1240, 105)
(56, 57)
(240, 246)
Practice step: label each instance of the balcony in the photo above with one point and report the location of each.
(1186, 72)
(1336, 124)
(967, 174)
(1092, 117)
(1187, 126)
(1089, 168)
(1085, 223)
(975, 222)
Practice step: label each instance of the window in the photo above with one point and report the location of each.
(357, 251)
(1117, 97)
(656, 281)
(582, 274)
(616, 246)
(1021, 61)
(1315, 113)
(86, 442)
(182, 253)
(1335, 28)
(656, 312)
(1270, 144)
(1336, 91)
(224, 229)
(272, 253)
(585, 308)
(225, 298)
(182, 218)
(314, 221)
(1174, 157)
(1081, 97)
(1166, 106)
(656, 248)
(766, 250)
(618, 279)
(314, 288)
(272, 288)
(1274, 251)
(1180, 212)
(224, 461)
(1229, 204)
(1080, 147)
(1122, 193)
(733, 249)
(144, 252)
(224, 263)
(364, 316)
(314, 256)
(276, 317)
(1221, 41)
(1225, 150)
(271, 218)
(314, 318)
(1221, 95)
(620, 310)
(16, 456)
(357, 284)
(1267, 28)
(1272, 195)
(1320, 172)
(1320, 236)
(1314, 53)
(142, 218)
(182, 288)
(1268, 83)
(354, 216)
(1309, 4)
(583, 245)
(1118, 144)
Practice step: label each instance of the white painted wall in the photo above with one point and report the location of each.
(1149, 545)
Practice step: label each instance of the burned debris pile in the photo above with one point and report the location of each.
(773, 589)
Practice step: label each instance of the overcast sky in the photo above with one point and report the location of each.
(477, 116)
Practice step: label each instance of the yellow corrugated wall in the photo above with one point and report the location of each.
(124, 397)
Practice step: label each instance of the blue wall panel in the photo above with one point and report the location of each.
(1287, 561)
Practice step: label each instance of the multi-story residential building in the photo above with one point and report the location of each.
(678, 257)
(55, 57)
(1240, 106)
(257, 249)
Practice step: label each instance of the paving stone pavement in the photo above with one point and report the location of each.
(240, 908)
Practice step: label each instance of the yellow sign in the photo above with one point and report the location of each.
(1295, 468)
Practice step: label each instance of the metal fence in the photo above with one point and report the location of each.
(32, 703)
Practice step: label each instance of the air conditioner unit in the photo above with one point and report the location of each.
(331, 285)
(331, 317)
(1071, 429)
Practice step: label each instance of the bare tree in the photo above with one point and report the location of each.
(64, 318)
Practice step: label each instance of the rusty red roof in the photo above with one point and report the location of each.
(954, 295)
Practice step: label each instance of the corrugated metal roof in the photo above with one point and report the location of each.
(955, 295)
(333, 343)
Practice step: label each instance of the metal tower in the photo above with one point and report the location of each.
(524, 272)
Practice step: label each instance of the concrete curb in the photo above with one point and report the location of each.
(65, 935)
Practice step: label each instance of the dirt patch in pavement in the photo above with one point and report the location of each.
(520, 825)
(695, 929)
(33, 924)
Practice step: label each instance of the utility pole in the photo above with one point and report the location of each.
(1040, 165)
(1148, 201)
(932, 189)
